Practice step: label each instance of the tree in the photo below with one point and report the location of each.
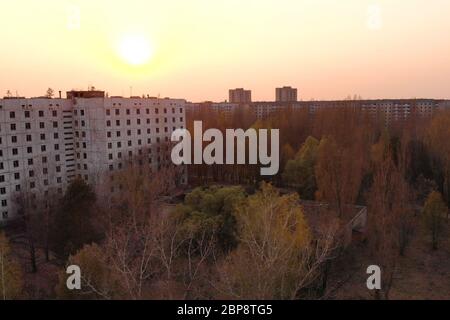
(11, 282)
(389, 220)
(275, 258)
(98, 280)
(73, 226)
(439, 143)
(339, 172)
(299, 172)
(49, 93)
(434, 212)
(212, 209)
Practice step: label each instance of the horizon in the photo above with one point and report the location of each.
(198, 50)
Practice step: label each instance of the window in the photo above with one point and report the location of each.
(12, 115)
(41, 113)
(13, 127)
(27, 126)
(14, 139)
(54, 113)
(108, 112)
(117, 112)
(4, 203)
(55, 124)
(27, 114)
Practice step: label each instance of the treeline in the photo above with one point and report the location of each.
(346, 141)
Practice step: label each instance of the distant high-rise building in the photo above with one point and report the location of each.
(240, 95)
(286, 94)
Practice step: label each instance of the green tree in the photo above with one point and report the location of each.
(435, 211)
(299, 172)
(73, 226)
(211, 210)
(11, 278)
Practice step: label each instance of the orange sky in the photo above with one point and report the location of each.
(201, 48)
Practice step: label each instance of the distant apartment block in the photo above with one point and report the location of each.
(240, 96)
(389, 110)
(286, 94)
(225, 108)
(46, 143)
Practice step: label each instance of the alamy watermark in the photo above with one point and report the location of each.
(260, 150)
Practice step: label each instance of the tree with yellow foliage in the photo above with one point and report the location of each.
(435, 211)
(276, 257)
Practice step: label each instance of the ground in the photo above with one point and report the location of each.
(421, 274)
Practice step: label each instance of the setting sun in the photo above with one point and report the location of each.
(135, 49)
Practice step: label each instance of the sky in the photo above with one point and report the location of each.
(198, 49)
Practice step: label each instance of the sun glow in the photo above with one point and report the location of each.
(135, 50)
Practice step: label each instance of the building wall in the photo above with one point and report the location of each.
(46, 143)
(240, 96)
(286, 94)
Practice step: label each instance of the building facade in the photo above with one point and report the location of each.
(286, 94)
(47, 143)
(240, 95)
